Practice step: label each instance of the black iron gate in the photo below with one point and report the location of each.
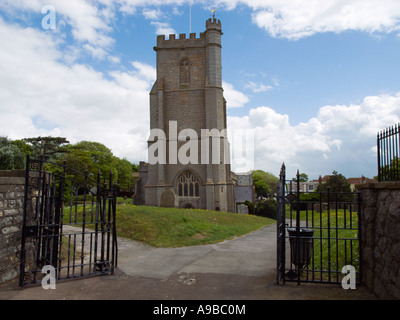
(318, 233)
(68, 224)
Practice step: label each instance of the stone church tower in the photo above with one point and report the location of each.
(186, 99)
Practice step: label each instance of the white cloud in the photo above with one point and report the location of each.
(234, 98)
(258, 87)
(41, 96)
(340, 137)
(93, 21)
(148, 72)
(152, 14)
(89, 21)
(163, 28)
(295, 19)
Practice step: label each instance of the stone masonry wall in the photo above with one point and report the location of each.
(11, 211)
(380, 238)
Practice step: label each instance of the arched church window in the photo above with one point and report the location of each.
(184, 72)
(188, 185)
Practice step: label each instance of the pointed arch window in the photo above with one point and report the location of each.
(188, 185)
(184, 71)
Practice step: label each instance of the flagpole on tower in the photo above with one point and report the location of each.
(190, 16)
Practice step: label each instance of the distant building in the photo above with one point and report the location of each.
(244, 191)
(354, 181)
(311, 186)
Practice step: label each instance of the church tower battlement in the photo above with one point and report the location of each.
(182, 40)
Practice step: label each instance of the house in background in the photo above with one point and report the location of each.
(354, 181)
(311, 186)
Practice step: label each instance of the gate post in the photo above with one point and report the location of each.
(281, 225)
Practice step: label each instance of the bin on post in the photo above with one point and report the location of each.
(302, 258)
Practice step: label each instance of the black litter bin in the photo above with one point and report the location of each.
(301, 259)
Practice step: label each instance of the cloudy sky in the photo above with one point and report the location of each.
(315, 80)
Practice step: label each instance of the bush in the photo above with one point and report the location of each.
(305, 198)
(266, 208)
(11, 157)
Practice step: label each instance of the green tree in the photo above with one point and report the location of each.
(302, 177)
(91, 156)
(337, 183)
(125, 170)
(135, 167)
(11, 157)
(95, 156)
(391, 171)
(23, 146)
(49, 147)
(265, 183)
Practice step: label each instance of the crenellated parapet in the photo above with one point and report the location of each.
(181, 41)
(192, 41)
(213, 24)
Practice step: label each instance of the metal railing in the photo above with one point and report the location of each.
(388, 154)
(318, 234)
(74, 238)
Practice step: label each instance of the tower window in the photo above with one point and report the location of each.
(188, 185)
(184, 72)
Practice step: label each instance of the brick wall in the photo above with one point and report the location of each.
(380, 238)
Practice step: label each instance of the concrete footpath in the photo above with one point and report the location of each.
(243, 268)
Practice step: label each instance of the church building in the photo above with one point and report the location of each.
(189, 158)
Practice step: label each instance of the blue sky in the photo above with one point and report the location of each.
(315, 80)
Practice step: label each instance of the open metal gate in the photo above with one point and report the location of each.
(68, 224)
(318, 234)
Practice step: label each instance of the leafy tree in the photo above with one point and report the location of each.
(261, 188)
(390, 172)
(336, 183)
(302, 177)
(49, 147)
(265, 183)
(23, 146)
(125, 169)
(90, 156)
(11, 157)
(95, 157)
(135, 167)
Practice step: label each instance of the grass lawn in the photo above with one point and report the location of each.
(335, 241)
(171, 227)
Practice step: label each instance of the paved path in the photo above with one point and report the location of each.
(242, 269)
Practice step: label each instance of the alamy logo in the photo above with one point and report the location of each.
(212, 147)
(349, 280)
(49, 20)
(49, 280)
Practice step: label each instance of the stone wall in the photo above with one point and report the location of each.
(380, 238)
(11, 211)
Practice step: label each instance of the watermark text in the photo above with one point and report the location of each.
(49, 20)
